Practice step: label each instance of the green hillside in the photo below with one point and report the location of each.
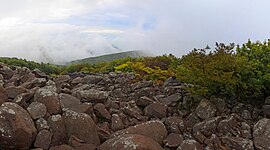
(109, 57)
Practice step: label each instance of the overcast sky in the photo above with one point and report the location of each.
(64, 30)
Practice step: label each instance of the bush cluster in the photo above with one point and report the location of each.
(241, 72)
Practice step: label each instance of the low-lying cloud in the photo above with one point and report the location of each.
(58, 31)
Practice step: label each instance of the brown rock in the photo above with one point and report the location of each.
(130, 141)
(67, 100)
(76, 81)
(172, 100)
(144, 101)
(156, 110)
(206, 109)
(92, 95)
(207, 127)
(153, 129)
(43, 139)
(75, 122)
(266, 110)
(225, 126)
(3, 95)
(92, 79)
(62, 147)
(175, 124)
(173, 140)
(190, 145)
(261, 134)
(48, 96)
(62, 78)
(52, 104)
(41, 124)
(102, 111)
(117, 123)
(14, 91)
(40, 74)
(37, 110)
(238, 143)
(24, 99)
(17, 129)
(79, 144)
(35, 82)
(57, 126)
(191, 120)
(6, 72)
(213, 142)
(246, 130)
(132, 110)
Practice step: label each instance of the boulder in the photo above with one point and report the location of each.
(102, 111)
(41, 124)
(205, 110)
(93, 95)
(35, 82)
(191, 120)
(17, 129)
(175, 124)
(62, 78)
(144, 101)
(37, 110)
(190, 145)
(156, 110)
(43, 139)
(75, 122)
(173, 140)
(67, 101)
(3, 95)
(152, 129)
(266, 110)
(57, 126)
(6, 72)
(40, 74)
(116, 123)
(79, 144)
(48, 96)
(131, 109)
(172, 100)
(14, 91)
(62, 147)
(92, 79)
(238, 143)
(226, 125)
(24, 99)
(131, 142)
(207, 127)
(261, 134)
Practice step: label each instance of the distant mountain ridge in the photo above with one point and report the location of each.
(111, 57)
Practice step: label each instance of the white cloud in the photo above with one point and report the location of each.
(64, 30)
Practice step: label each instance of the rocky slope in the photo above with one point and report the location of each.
(111, 111)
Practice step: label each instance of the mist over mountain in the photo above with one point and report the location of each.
(61, 31)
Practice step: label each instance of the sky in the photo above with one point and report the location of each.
(58, 31)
